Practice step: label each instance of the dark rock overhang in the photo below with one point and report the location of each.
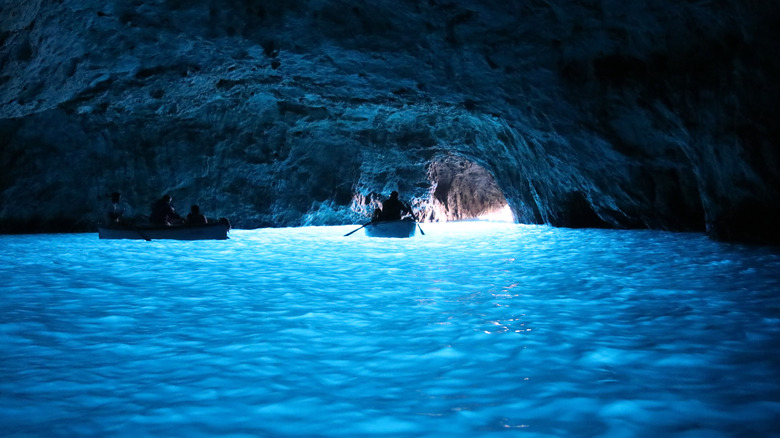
(652, 115)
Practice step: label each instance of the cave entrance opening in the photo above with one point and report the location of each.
(464, 190)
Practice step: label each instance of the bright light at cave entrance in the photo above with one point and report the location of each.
(503, 214)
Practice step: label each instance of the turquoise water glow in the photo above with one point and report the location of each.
(473, 329)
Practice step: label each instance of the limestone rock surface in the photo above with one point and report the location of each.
(589, 113)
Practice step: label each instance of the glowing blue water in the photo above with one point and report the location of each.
(470, 330)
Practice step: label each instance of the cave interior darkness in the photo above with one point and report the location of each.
(278, 114)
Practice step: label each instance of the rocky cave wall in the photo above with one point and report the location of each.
(590, 113)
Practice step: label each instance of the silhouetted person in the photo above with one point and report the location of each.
(195, 217)
(114, 210)
(163, 212)
(117, 211)
(393, 208)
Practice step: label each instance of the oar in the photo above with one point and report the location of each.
(140, 233)
(137, 230)
(414, 216)
(148, 239)
(355, 231)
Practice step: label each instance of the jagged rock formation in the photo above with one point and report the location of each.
(589, 113)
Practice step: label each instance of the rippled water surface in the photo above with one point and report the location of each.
(473, 329)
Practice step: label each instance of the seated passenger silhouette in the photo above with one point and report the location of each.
(163, 212)
(195, 217)
(115, 209)
(393, 209)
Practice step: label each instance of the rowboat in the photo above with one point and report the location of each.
(210, 231)
(400, 228)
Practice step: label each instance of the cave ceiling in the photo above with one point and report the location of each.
(591, 113)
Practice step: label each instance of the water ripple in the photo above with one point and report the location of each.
(470, 330)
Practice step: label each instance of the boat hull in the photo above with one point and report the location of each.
(398, 229)
(210, 231)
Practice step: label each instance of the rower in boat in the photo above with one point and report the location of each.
(393, 209)
(392, 220)
(163, 212)
(118, 211)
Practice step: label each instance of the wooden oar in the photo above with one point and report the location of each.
(414, 216)
(355, 231)
(140, 233)
(137, 230)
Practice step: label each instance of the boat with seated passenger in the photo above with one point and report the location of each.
(398, 228)
(216, 230)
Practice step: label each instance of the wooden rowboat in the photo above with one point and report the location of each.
(401, 228)
(211, 231)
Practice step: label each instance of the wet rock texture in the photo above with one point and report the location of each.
(585, 113)
(463, 190)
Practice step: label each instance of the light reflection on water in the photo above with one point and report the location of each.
(471, 330)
